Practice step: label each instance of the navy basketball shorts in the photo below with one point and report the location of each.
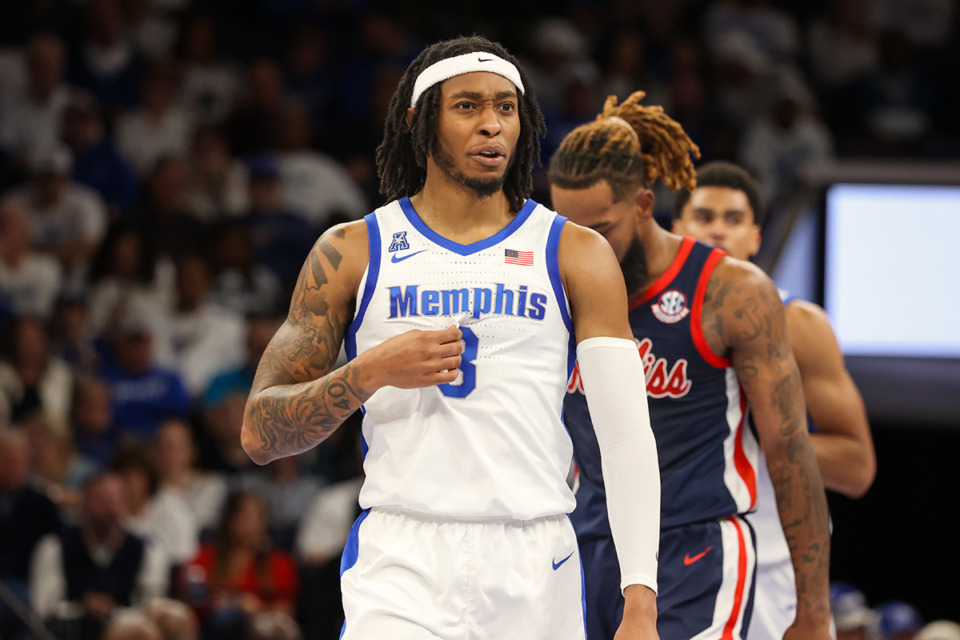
(407, 576)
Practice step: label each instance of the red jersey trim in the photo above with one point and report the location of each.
(686, 246)
(740, 461)
(696, 311)
(741, 582)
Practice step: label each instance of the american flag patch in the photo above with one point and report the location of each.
(524, 258)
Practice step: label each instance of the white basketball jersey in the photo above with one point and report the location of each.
(492, 443)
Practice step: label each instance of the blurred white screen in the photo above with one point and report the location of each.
(892, 269)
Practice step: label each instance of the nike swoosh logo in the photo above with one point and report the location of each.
(396, 258)
(484, 59)
(687, 560)
(556, 565)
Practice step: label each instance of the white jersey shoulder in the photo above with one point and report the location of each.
(492, 443)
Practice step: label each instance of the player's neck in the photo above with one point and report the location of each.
(662, 247)
(458, 213)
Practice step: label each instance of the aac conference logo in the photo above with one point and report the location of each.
(671, 306)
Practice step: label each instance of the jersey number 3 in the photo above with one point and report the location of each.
(469, 380)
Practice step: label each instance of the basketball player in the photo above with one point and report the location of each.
(724, 210)
(711, 333)
(457, 302)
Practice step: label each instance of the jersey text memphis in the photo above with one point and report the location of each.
(492, 443)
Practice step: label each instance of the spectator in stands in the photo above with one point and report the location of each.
(94, 435)
(127, 273)
(97, 163)
(174, 618)
(29, 281)
(159, 128)
(96, 566)
(210, 84)
(68, 219)
(244, 574)
(130, 624)
(106, 63)
(274, 625)
(309, 77)
(26, 516)
(218, 187)
(164, 214)
(204, 492)
(251, 122)
(30, 120)
(315, 186)
(71, 337)
(898, 620)
(240, 284)
(143, 393)
(56, 467)
(287, 489)
(206, 337)
(940, 630)
(281, 238)
(33, 380)
(853, 618)
(154, 514)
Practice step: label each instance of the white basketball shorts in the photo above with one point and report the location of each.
(408, 576)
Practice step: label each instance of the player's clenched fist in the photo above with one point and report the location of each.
(417, 359)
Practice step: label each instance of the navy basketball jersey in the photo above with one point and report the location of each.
(708, 454)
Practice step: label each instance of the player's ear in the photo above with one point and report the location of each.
(645, 201)
(409, 117)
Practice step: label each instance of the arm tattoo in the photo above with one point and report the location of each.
(296, 401)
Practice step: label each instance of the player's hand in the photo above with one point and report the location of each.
(417, 359)
(639, 615)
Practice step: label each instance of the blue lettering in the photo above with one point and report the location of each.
(522, 302)
(538, 308)
(405, 304)
(482, 299)
(455, 301)
(431, 302)
(504, 300)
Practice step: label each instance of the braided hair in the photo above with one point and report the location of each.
(402, 155)
(629, 145)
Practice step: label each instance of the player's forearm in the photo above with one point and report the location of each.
(847, 465)
(802, 506)
(287, 419)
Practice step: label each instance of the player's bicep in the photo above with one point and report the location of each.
(594, 285)
(307, 344)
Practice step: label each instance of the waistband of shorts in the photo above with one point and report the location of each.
(442, 519)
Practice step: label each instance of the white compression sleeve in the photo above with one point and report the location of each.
(614, 384)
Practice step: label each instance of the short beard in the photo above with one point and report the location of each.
(483, 187)
(634, 267)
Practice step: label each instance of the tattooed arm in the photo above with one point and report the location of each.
(297, 400)
(744, 317)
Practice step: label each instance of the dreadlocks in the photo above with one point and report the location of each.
(402, 156)
(628, 145)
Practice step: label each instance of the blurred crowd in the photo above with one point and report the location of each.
(891, 620)
(166, 165)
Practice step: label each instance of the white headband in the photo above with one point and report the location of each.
(621, 121)
(459, 65)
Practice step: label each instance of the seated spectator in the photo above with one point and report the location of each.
(130, 624)
(143, 393)
(30, 118)
(107, 64)
(94, 435)
(218, 186)
(164, 215)
(68, 219)
(56, 467)
(71, 337)
(240, 284)
(239, 380)
(160, 516)
(242, 573)
(853, 618)
(97, 163)
(174, 618)
(204, 492)
(81, 576)
(210, 86)
(315, 186)
(30, 281)
(250, 123)
(127, 273)
(286, 489)
(26, 516)
(32, 379)
(282, 239)
(205, 337)
(157, 129)
(219, 440)
(898, 620)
